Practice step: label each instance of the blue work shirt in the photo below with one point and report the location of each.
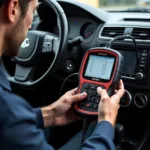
(21, 126)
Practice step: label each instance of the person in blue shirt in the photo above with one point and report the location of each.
(21, 126)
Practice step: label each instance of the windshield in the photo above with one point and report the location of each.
(119, 5)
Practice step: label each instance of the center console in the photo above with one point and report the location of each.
(135, 71)
(134, 111)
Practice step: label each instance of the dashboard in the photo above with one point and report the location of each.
(98, 27)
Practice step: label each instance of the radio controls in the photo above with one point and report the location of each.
(143, 58)
(140, 100)
(142, 65)
(126, 99)
(143, 54)
(139, 76)
(144, 51)
(142, 62)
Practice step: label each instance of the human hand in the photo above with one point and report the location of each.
(61, 112)
(109, 106)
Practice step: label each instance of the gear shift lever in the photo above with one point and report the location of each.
(119, 133)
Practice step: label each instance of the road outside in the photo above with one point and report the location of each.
(117, 4)
(117, 7)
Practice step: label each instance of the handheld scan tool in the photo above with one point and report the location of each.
(101, 67)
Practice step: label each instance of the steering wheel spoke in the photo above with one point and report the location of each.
(23, 73)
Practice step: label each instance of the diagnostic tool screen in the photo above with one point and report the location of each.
(99, 67)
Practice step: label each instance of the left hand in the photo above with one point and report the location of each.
(62, 111)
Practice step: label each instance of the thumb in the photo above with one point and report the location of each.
(77, 97)
(102, 93)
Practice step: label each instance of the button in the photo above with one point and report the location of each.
(97, 100)
(144, 51)
(89, 93)
(86, 86)
(47, 49)
(97, 95)
(141, 70)
(95, 106)
(130, 75)
(139, 76)
(89, 99)
(84, 90)
(94, 93)
(92, 99)
(142, 62)
(143, 58)
(49, 45)
(142, 65)
(143, 54)
(93, 87)
(69, 65)
(81, 103)
(89, 105)
(47, 40)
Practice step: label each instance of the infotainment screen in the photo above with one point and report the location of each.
(99, 67)
(129, 62)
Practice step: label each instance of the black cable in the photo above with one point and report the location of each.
(62, 85)
(122, 37)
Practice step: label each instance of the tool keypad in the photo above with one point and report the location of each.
(92, 101)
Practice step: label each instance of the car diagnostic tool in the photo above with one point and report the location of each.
(101, 67)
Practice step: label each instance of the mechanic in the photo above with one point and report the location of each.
(21, 125)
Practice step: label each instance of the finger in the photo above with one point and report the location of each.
(120, 92)
(118, 95)
(77, 97)
(102, 93)
(115, 91)
(73, 91)
(121, 85)
(121, 89)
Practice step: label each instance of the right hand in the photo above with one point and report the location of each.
(109, 106)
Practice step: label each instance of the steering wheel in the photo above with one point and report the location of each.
(38, 43)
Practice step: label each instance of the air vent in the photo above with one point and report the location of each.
(137, 19)
(112, 31)
(141, 33)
